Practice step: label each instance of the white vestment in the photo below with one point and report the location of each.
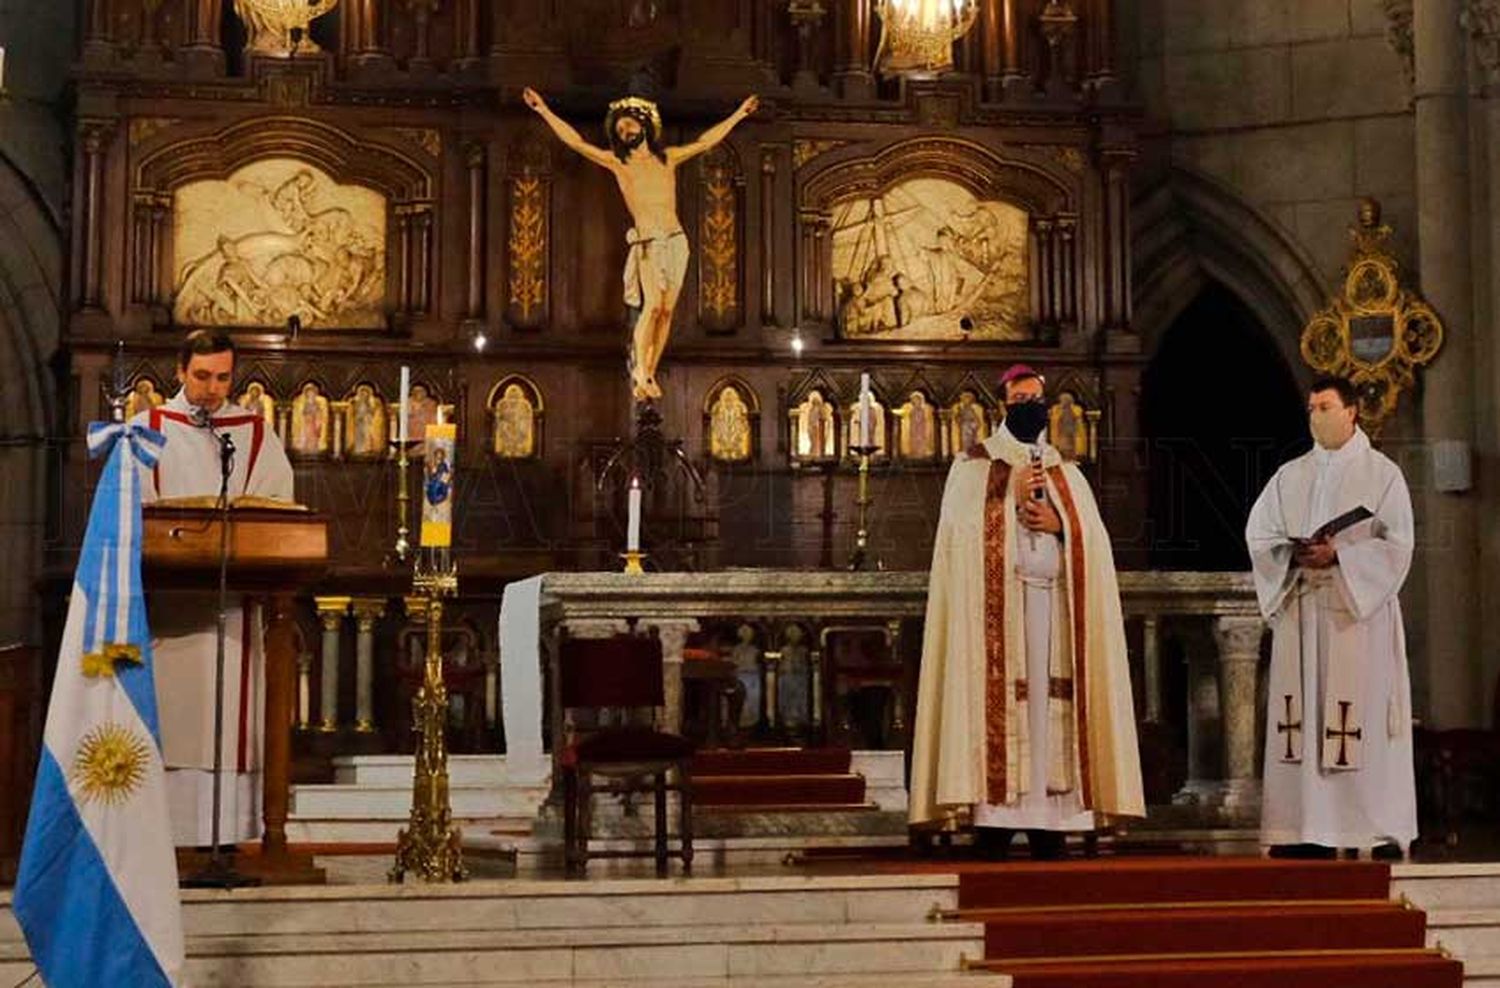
(1338, 756)
(1024, 711)
(184, 627)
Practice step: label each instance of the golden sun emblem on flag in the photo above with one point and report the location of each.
(110, 764)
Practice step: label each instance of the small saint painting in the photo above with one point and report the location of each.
(729, 428)
(814, 435)
(366, 428)
(916, 437)
(516, 407)
(968, 423)
(422, 411)
(1068, 427)
(437, 486)
(142, 398)
(311, 421)
(257, 401)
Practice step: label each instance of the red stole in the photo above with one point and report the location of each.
(998, 510)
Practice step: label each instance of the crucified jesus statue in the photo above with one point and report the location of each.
(647, 175)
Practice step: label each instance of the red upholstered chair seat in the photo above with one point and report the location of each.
(629, 744)
(622, 673)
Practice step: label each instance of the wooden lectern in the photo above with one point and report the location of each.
(272, 555)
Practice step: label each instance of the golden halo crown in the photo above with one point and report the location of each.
(641, 104)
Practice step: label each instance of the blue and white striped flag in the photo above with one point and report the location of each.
(97, 890)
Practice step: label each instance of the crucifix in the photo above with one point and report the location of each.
(1343, 734)
(1289, 727)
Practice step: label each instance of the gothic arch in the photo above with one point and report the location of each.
(1189, 231)
(31, 262)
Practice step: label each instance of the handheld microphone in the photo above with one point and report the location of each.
(1038, 492)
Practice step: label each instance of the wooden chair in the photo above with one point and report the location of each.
(622, 674)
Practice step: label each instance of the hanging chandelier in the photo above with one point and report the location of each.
(916, 36)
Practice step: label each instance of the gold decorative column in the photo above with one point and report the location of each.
(367, 610)
(429, 844)
(331, 611)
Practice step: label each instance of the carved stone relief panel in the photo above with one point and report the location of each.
(279, 238)
(926, 259)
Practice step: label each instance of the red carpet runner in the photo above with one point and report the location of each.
(1179, 922)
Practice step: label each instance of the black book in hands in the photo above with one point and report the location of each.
(1329, 529)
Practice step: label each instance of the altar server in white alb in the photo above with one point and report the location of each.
(1330, 540)
(185, 625)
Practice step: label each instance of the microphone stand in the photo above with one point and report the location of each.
(219, 872)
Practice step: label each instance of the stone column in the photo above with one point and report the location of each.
(1484, 27)
(367, 610)
(1204, 723)
(673, 633)
(96, 139)
(474, 162)
(768, 237)
(1151, 663)
(852, 73)
(1239, 639)
(771, 698)
(1448, 664)
(331, 611)
(304, 690)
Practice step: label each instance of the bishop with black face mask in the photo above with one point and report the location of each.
(1024, 713)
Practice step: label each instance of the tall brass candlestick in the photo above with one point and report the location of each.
(403, 503)
(429, 845)
(862, 502)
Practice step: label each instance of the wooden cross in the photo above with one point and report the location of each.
(1289, 727)
(1343, 734)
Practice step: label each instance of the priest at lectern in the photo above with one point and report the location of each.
(185, 625)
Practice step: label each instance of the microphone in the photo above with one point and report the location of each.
(203, 419)
(1038, 492)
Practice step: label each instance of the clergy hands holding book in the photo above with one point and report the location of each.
(1315, 554)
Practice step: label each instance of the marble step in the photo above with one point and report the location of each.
(1469, 934)
(540, 905)
(1448, 886)
(393, 802)
(910, 979)
(338, 830)
(396, 770)
(619, 955)
(527, 905)
(624, 955)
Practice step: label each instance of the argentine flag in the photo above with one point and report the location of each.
(97, 890)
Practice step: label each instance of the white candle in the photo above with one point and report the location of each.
(865, 436)
(633, 526)
(403, 409)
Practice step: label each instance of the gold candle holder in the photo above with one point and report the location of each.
(858, 557)
(633, 561)
(429, 845)
(403, 502)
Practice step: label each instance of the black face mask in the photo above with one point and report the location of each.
(1026, 419)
